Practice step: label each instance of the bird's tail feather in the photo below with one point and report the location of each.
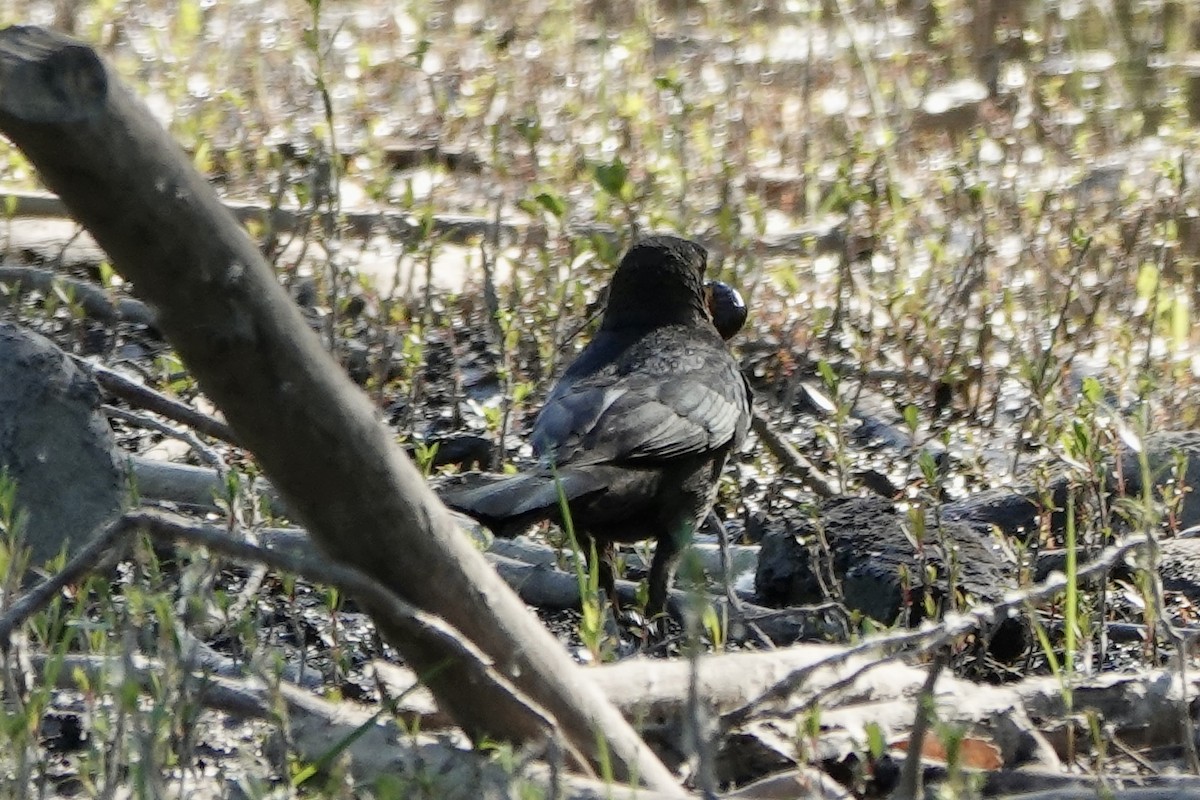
(510, 503)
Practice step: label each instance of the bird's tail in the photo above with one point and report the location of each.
(508, 504)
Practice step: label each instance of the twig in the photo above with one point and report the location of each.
(147, 398)
(910, 775)
(94, 301)
(206, 453)
(790, 458)
(94, 556)
(735, 602)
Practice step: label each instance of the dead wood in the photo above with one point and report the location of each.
(137, 420)
(194, 487)
(913, 643)
(912, 777)
(654, 693)
(743, 558)
(143, 396)
(1021, 784)
(544, 586)
(93, 300)
(537, 583)
(800, 782)
(453, 228)
(1180, 789)
(376, 744)
(316, 436)
(315, 723)
(391, 610)
(540, 584)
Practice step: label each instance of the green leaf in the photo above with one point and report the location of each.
(712, 624)
(928, 465)
(669, 82)
(812, 722)
(613, 177)
(188, 20)
(530, 129)
(828, 376)
(418, 56)
(1147, 281)
(553, 203)
(875, 742)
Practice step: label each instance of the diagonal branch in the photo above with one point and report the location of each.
(315, 434)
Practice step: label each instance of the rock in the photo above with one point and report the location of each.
(464, 450)
(1179, 565)
(1015, 511)
(56, 445)
(870, 550)
(1164, 449)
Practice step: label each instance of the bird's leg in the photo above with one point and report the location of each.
(662, 569)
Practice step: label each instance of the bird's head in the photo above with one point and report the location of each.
(660, 281)
(727, 308)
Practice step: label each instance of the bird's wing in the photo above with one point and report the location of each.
(688, 400)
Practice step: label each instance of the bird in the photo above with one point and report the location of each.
(636, 432)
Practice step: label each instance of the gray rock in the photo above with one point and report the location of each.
(56, 445)
(1179, 566)
(869, 548)
(1015, 511)
(1164, 450)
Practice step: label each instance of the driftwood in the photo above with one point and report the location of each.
(455, 228)
(145, 397)
(1024, 724)
(376, 744)
(94, 301)
(128, 183)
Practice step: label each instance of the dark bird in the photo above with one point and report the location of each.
(637, 430)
